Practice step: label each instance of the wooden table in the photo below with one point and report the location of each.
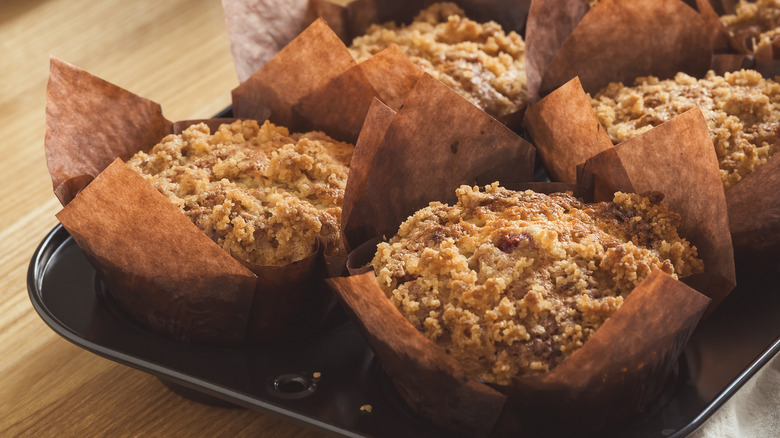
(174, 52)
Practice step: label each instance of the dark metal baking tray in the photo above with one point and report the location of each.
(726, 349)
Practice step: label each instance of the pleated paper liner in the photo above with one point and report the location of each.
(433, 144)
(613, 40)
(617, 373)
(159, 266)
(623, 38)
(296, 54)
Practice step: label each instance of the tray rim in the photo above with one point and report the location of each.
(44, 251)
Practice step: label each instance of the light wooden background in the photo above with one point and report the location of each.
(174, 52)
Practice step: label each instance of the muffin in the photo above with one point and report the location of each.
(264, 195)
(742, 110)
(511, 283)
(480, 61)
(757, 23)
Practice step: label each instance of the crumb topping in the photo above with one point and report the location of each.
(478, 60)
(263, 194)
(757, 22)
(742, 110)
(510, 283)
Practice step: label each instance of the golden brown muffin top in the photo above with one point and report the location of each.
(478, 60)
(511, 283)
(757, 20)
(742, 110)
(262, 194)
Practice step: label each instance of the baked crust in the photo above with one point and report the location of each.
(480, 61)
(511, 283)
(742, 110)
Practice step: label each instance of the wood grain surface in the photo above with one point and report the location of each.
(174, 52)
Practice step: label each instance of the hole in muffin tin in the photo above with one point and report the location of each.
(293, 385)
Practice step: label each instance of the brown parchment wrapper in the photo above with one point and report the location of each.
(332, 92)
(676, 158)
(431, 382)
(340, 105)
(754, 212)
(128, 123)
(433, 144)
(377, 122)
(90, 123)
(316, 63)
(613, 40)
(310, 60)
(191, 292)
(550, 22)
(617, 373)
(564, 146)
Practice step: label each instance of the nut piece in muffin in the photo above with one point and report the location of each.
(742, 110)
(511, 283)
(480, 61)
(264, 195)
(758, 21)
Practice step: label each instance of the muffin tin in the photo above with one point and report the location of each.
(325, 380)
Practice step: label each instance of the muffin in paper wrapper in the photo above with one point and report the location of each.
(159, 266)
(574, 41)
(676, 158)
(616, 373)
(272, 37)
(567, 132)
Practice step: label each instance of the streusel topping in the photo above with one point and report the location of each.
(261, 193)
(742, 110)
(480, 61)
(511, 283)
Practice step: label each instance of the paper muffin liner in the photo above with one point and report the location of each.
(296, 54)
(613, 40)
(433, 144)
(617, 373)
(389, 181)
(160, 267)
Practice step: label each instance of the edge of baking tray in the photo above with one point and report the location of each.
(38, 263)
(730, 390)
(58, 235)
